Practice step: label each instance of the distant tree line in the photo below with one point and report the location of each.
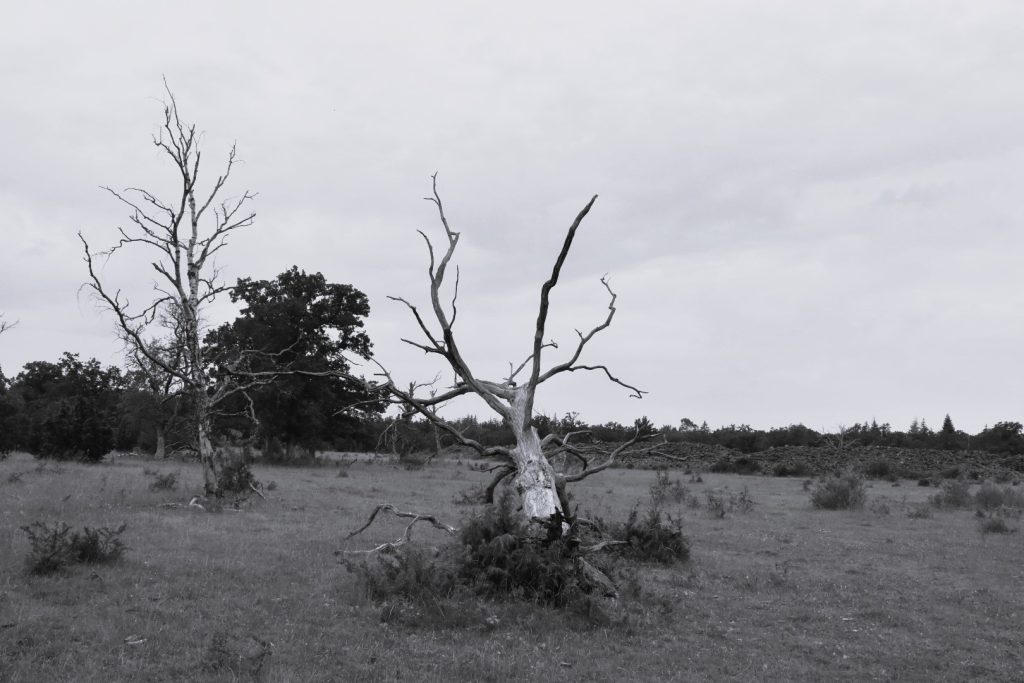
(77, 409)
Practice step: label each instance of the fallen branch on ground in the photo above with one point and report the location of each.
(406, 537)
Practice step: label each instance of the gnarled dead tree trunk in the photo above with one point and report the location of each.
(538, 487)
(181, 238)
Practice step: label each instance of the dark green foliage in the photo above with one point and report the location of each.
(845, 492)
(66, 410)
(502, 560)
(236, 477)
(101, 545)
(302, 323)
(652, 537)
(55, 547)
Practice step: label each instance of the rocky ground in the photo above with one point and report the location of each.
(876, 461)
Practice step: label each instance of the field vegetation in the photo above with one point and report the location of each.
(910, 586)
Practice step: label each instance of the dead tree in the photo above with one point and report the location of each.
(180, 237)
(538, 487)
(4, 325)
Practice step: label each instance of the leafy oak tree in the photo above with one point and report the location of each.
(301, 322)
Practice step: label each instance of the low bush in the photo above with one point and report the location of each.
(798, 468)
(497, 559)
(650, 538)
(953, 494)
(992, 497)
(995, 525)
(55, 547)
(164, 482)
(236, 477)
(879, 469)
(664, 490)
(919, 512)
(839, 493)
(741, 465)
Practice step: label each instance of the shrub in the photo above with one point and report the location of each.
(954, 494)
(995, 525)
(715, 505)
(665, 490)
(919, 512)
(839, 493)
(236, 477)
(56, 547)
(792, 469)
(650, 538)
(501, 560)
(740, 465)
(164, 482)
(879, 469)
(950, 472)
(992, 497)
(742, 501)
(101, 545)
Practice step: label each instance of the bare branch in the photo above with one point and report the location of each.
(405, 537)
(610, 460)
(542, 313)
(569, 365)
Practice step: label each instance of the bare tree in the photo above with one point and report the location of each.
(538, 487)
(4, 325)
(182, 236)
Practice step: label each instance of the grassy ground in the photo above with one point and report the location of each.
(782, 592)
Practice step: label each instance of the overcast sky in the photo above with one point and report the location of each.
(811, 211)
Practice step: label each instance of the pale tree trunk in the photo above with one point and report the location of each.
(207, 455)
(161, 442)
(534, 482)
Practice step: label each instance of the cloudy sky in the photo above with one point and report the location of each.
(810, 210)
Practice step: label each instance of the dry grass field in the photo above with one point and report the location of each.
(779, 592)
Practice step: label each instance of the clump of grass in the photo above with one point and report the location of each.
(238, 656)
(664, 490)
(919, 512)
(471, 496)
(845, 492)
(164, 482)
(56, 546)
(880, 507)
(716, 506)
(15, 477)
(953, 494)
